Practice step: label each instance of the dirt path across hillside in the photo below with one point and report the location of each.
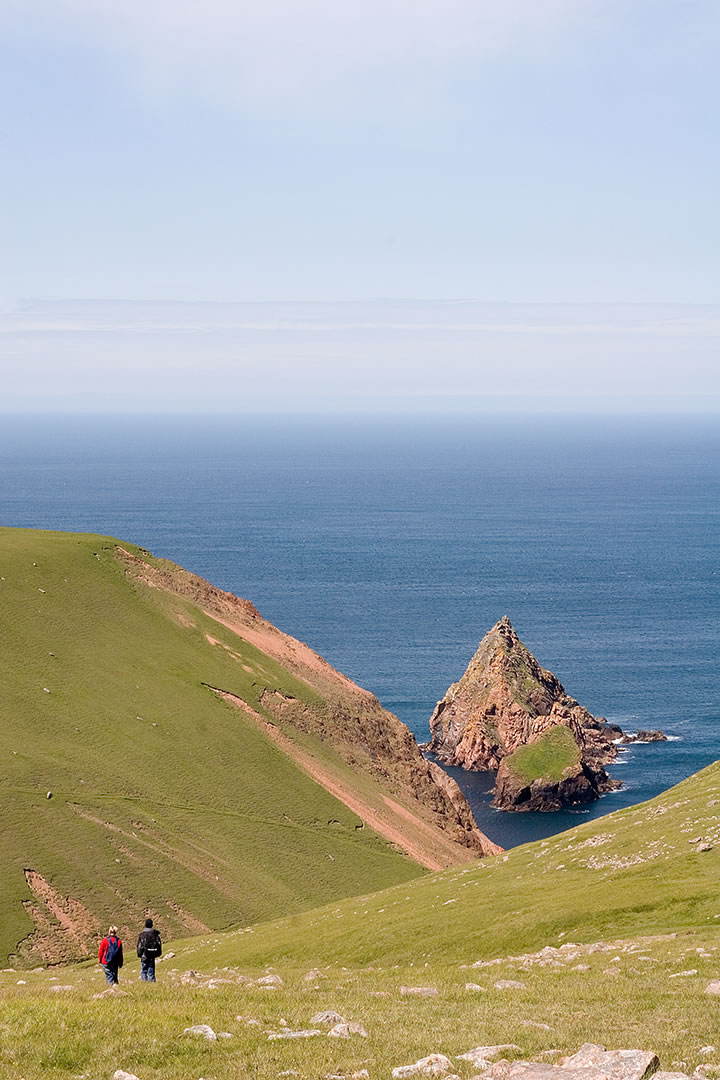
(352, 799)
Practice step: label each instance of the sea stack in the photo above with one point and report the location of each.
(508, 714)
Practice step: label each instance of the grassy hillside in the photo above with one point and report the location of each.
(165, 799)
(609, 933)
(638, 871)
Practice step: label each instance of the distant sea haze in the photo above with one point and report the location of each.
(392, 545)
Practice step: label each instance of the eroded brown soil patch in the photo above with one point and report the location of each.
(64, 927)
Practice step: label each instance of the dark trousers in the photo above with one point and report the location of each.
(147, 968)
(111, 974)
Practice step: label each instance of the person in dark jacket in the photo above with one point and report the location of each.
(110, 955)
(149, 947)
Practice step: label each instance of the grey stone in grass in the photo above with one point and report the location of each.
(361, 1074)
(419, 991)
(288, 1033)
(314, 975)
(201, 1031)
(328, 1017)
(482, 1056)
(614, 1064)
(510, 984)
(432, 1065)
(344, 1031)
(713, 987)
(120, 1074)
(269, 980)
(475, 987)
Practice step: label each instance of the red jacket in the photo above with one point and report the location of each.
(102, 951)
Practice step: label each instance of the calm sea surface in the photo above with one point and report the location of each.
(392, 546)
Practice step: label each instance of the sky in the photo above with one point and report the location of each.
(446, 166)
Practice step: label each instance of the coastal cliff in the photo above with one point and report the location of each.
(508, 714)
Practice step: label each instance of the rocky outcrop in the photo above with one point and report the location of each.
(505, 704)
(582, 785)
(643, 736)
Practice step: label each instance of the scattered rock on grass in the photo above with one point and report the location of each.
(419, 991)
(203, 1031)
(269, 980)
(344, 1031)
(327, 1017)
(510, 984)
(361, 1074)
(713, 987)
(120, 1074)
(475, 987)
(483, 1055)
(432, 1065)
(614, 1064)
(288, 1033)
(314, 975)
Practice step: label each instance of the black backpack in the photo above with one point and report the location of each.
(152, 946)
(113, 952)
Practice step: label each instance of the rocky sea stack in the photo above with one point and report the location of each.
(507, 713)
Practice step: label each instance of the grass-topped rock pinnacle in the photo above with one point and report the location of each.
(507, 713)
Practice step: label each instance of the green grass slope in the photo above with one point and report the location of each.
(609, 933)
(165, 799)
(638, 871)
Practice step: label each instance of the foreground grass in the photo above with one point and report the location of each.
(626, 995)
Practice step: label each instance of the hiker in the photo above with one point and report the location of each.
(149, 947)
(110, 955)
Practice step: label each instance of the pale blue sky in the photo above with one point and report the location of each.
(524, 151)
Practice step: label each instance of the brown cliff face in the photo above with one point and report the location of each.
(365, 735)
(506, 701)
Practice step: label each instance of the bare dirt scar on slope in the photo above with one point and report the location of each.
(352, 799)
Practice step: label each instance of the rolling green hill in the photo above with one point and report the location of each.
(606, 934)
(157, 761)
(645, 870)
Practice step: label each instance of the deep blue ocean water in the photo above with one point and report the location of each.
(392, 545)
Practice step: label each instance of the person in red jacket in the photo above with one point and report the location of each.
(110, 955)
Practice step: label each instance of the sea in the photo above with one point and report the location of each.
(392, 544)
